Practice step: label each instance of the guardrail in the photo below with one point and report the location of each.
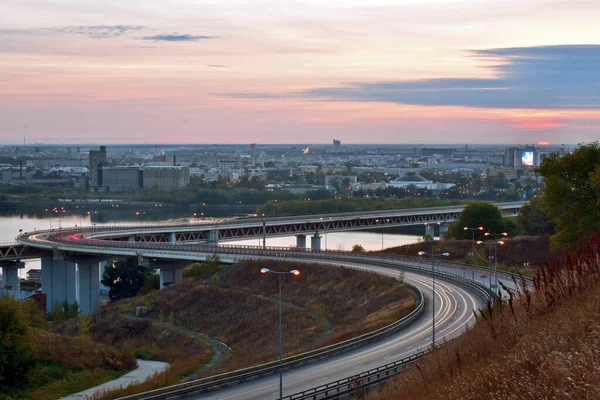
(219, 381)
(211, 383)
(226, 379)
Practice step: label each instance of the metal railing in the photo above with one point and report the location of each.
(245, 374)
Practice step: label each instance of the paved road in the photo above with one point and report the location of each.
(144, 370)
(454, 314)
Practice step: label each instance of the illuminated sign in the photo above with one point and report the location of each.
(527, 158)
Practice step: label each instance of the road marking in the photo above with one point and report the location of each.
(320, 379)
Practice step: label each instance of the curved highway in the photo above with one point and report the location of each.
(454, 314)
(454, 305)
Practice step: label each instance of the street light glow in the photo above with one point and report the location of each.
(421, 253)
(264, 270)
(295, 272)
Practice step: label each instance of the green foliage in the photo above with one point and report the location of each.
(64, 311)
(358, 248)
(145, 353)
(84, 329)
(152, 283)
(17, 343)
(125, 279)
(475, 215)
(532, 220)
(36, 316)
(572, 194)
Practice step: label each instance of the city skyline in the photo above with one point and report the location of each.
(301, 72)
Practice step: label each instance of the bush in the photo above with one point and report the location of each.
(17, 343)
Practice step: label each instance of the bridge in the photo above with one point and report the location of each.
(70, 251)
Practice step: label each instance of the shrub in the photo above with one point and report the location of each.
(17, 343)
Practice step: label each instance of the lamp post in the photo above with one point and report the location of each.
(473, 230)
(496, 242)
(433, 255)
(294, 272)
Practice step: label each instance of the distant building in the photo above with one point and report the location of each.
(528, 157)
(117, 179)
(225, 166)
(6, 174)
(165, 178)
(34, 275)
(417, 181)
(98, 160)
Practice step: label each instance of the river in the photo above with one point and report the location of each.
(31, 219)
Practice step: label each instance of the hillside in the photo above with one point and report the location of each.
(544, 344)
(324, 305)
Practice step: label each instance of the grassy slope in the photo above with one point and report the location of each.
(66, 365)
(324, 305)
(543, 345)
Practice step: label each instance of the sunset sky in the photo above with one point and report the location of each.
(362, 71)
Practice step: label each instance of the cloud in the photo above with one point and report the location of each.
(99, 31)
(545, 77)
(179, 38)
(217, 66)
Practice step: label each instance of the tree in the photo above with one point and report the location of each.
(572, 194)
(17, 343)
(357, 248)
(125, 279)
(474, 215)
(532, 220)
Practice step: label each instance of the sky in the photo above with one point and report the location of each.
(361, 71)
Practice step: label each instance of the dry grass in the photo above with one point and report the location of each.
(81, 354)
(323, 306)
(543, 344)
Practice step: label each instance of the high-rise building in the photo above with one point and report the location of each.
(337, 145)
(527, 157)
(98, 159)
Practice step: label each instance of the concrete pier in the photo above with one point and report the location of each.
(172, 237)
(315, 241)
(58, 281)
(213, 236)
(430, 230)
(443, 230)
(168, 276)
(89, 287)
(301, 241)
(10, 274)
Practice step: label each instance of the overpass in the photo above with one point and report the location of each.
(70, 251)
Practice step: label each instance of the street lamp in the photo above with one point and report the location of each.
(500, 242)
(473, 230)
(433, 255)
(294, 272)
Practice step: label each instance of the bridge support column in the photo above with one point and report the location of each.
(172, 237)
(10, 274)
(131, 239)
(315, 241)
(213, 236)
(171, 271)
(430, 230)
(168, 276)
(443, 230)
(89, 287)
(58, 281)
(301, 241)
